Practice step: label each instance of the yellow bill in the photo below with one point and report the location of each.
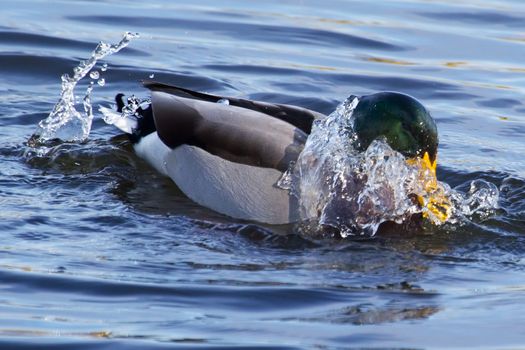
(437, 203)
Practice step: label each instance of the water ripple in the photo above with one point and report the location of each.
(21, 39)
(490, 18)
(250, 31)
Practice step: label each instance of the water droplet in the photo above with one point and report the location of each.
(151, 76)
(104, 67)
(101, 82)
(94, 75)
(224, 101)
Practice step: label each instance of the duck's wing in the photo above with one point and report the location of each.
(299, 117)
(237, 134)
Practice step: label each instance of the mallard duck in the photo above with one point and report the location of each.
(227, 154)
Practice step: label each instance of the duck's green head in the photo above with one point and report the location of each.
(401, 119)
(409, 129)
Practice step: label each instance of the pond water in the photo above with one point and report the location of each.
(99, 251)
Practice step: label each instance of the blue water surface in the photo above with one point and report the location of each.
(98, 251)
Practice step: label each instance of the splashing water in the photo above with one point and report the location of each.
(354, 192)
(65, 122)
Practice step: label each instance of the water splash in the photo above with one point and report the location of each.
(65, 122)
(354, 192)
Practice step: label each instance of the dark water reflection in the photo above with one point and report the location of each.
(99, 251)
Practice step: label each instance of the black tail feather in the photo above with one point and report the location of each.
(119, 99)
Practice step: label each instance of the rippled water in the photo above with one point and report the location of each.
(99, 251)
